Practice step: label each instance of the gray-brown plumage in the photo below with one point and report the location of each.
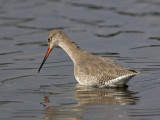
(89, 69)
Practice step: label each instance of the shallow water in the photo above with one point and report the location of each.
(126, 31)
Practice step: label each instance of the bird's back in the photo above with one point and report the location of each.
(95, 70)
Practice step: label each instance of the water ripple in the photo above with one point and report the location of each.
(139, 14)
(155, 38)
(88, 22)
(143, 112)
(145, 46)
(91, 6)
(29, 43)
(13, 78)
(8, 53)
(6, 38)
(119, 32)
(7, 102)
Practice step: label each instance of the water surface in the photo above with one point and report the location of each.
(126, 31)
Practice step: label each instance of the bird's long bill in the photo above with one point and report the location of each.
(45, 58)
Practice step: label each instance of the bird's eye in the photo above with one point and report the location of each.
(49, 40)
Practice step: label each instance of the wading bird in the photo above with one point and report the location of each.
(89, 70)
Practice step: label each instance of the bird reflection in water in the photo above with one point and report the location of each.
(87, 96)
(100, 96)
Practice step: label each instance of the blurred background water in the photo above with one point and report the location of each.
(126, 31)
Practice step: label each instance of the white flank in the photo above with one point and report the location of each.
(120, 81)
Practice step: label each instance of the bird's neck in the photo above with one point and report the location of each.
(71, 48)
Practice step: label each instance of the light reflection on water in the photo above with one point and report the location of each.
(126, 31)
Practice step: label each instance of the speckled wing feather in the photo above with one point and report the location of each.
(103, 69)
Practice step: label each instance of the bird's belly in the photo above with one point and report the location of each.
(93, 81)
(87, 80)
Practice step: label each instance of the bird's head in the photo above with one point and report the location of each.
(53, 39)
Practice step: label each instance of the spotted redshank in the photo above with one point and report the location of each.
(89, 70)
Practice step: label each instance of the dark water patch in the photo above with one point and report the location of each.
(125, 58)
(53, 66)
(138, 14)
(29, 43)
(6, 38)
(25, 116)
(23, 20)
(3, 12)
(145, 46)
(84, 21)
(7, 102)
(30, 59)
(149, 69)
(119, 32)
(5, 64)
(20, 69)
(88, 22)
(29, 27)
(40, 28)
(144, 1)
(14, 22)
(62, 61)
(44, 44)
(57, 78)
(55, 0)
(13, 78)
(155, 38)
(132, 31)
(109, 35)
(8, 53)
(109, 26)
(68, 104)
(106, 53)
(111, 56)
(154, 65)
(30, 111)
(77, 30)
(66, 63)
(54, 75)
(153, 13)
(127, 13)
(91, 6)
(114, 9)
(9, 18)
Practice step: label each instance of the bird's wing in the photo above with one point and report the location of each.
(104, 69)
